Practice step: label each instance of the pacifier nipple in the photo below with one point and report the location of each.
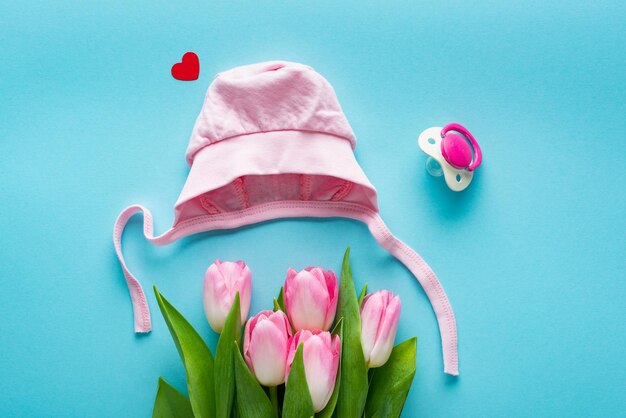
(453, 152)
(433, 167)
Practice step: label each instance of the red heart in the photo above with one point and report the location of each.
(188, 69)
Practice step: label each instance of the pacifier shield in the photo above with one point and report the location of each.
(430, 141)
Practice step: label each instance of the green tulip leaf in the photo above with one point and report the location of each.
(298, 402)
(277, 306)
(328, 410)
(170, 403)
(196, 357)
(252, 402)
(362, 295)
(224, 364)
(392, 408)
(337, 329)
(353, 389)
(391, 382)
(281, 299)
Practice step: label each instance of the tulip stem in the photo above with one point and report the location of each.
(274, 399)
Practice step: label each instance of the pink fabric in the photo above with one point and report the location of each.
(264, 97)
(273, 153)
(272, 142)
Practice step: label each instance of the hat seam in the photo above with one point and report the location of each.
(192, 157)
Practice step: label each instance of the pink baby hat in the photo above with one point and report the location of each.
(271, 142)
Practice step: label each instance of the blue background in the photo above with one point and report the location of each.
(532, 255)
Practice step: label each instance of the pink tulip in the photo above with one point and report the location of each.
(311, 298)
(265, 346)
(222, 281)
(321, 359)
(380, 313)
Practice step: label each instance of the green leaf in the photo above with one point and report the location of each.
(170, 403)
(394, 403)
(196, 357)
(224, 364)
(353, 390)
(252, 402)
(362, 295)
(281, 299)
(298, 402)
(391, 383)
(337, 329)
(277, 306)
(328, 410)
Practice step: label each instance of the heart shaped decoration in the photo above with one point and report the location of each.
(188, 69)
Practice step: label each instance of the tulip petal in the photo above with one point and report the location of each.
(246, 343)
(320, 364)
(386, 334)
(279, 319)
(391, 318)
(329, 409)
(267, 350)
(215, 298)
(333, 293)
(244, 287)
(371, 316)
(250, 325)
(380, 314)
(222, 280)
(307, 299)
(230, 273)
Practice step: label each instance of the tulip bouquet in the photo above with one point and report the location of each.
(321, 352)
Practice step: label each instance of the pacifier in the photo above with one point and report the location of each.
(453, 153)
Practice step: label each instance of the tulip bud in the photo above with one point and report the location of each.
(380, 313)
(265, 346)
(321, 353)
(311, 298)
(222, 281)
